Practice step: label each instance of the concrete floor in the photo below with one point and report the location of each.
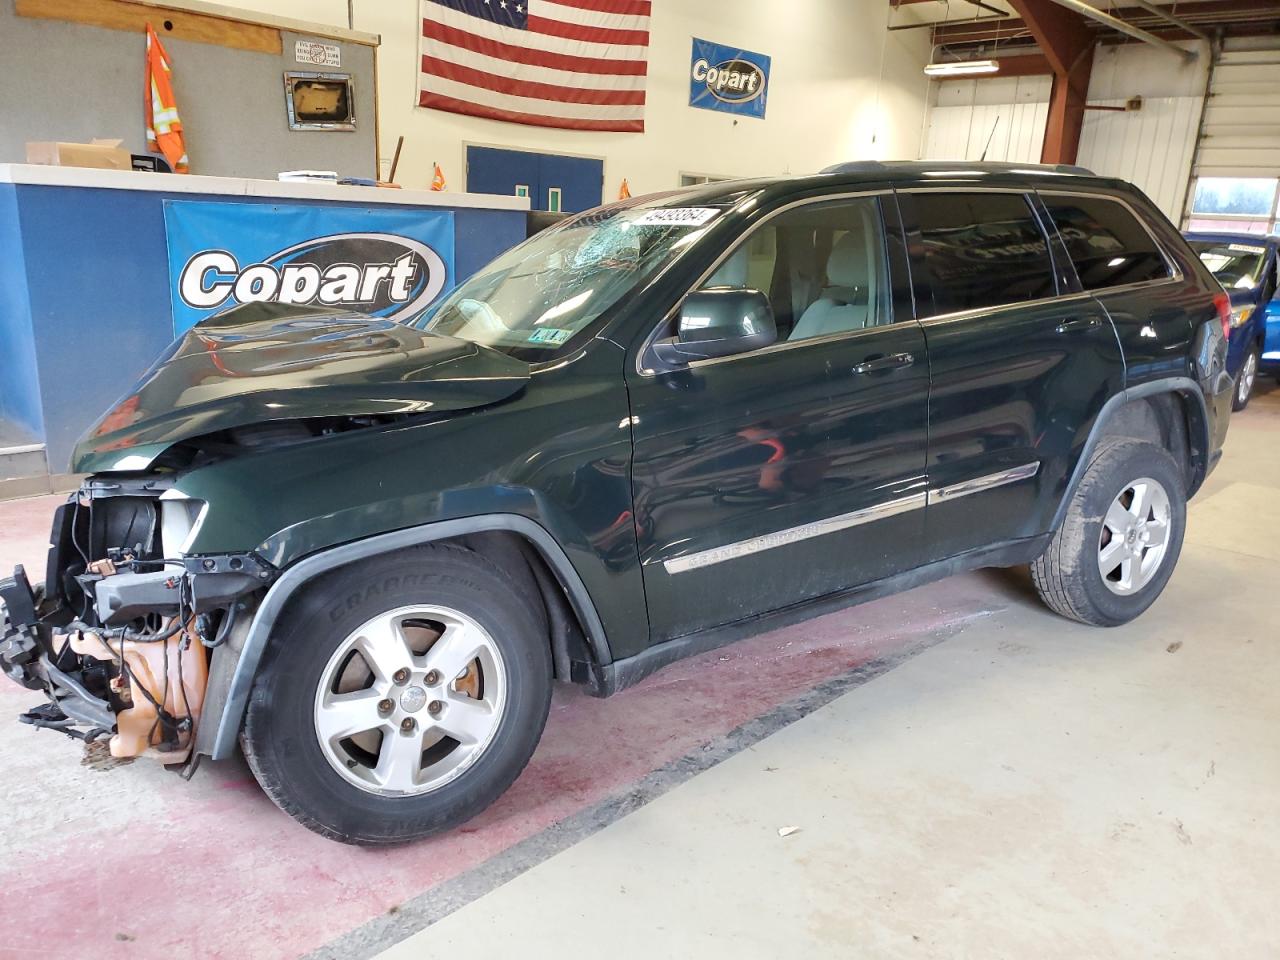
(970, 776)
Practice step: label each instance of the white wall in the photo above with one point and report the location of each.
(823, 104)
(1002, 116)
(1151, 147)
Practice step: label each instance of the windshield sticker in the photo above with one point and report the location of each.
(678, 216)
(550, 335)
(1245, 248)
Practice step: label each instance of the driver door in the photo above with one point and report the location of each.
(796, 470)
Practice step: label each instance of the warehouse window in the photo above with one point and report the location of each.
(982, 250)
(1236, 205)
(1105, 241)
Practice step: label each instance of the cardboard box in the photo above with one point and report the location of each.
(102, 154)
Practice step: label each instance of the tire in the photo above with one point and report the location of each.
(1246, 379)
(1069, 576)
(315, 667)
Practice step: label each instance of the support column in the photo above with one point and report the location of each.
(1068, 44)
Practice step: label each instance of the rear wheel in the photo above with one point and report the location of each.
(1120, 538)
(1246, 379)
(401, 697)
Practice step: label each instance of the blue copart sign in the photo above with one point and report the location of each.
(728, 79)
(382, 261)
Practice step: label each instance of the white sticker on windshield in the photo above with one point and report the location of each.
(678, 216)
(1245, 248)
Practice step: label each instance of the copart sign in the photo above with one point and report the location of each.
(728, 79)
(385, 262)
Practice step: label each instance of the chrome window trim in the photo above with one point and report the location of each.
(879, 511)
(1175, 271)
(733, 248)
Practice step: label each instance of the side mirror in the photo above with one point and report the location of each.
(719, 323)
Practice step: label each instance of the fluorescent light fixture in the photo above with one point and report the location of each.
(962, 68)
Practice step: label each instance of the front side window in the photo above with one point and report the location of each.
(1106, 243)
(822, 266)
(982, 250)
(1237, 266)
(539, 296)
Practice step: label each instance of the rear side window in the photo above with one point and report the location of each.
(1105, 241)
(982, 250)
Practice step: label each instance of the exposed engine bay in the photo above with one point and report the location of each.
(120, 634)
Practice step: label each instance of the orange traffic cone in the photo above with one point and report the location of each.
(624, 191)
(437, 181)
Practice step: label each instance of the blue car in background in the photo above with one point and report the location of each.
(1245, 265)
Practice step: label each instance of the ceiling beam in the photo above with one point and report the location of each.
(1239, 18)
(1123, 26)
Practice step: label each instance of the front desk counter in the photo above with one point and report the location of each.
(87, 291)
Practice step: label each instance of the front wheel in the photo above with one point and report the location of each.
(1245, 381)
(1121, 536)
(400, 697)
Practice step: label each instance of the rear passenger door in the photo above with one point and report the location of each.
(1020, 363)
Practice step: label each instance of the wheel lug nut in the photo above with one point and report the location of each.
(407, 725)
(432, 677)
(401, 676)
(385, 706)
(434, 707)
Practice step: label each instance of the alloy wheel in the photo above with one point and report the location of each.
(410, 700)
(1135, 536)
(1248, 373)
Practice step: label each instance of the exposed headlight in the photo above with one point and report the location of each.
(180, 521)
(1240, 316)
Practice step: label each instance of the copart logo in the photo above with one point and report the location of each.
(376, 273)
(733, 81)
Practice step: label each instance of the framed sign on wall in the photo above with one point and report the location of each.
(728, 79)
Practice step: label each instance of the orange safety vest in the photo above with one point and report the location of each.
(624, 191)
(164, 128)
(437, 181)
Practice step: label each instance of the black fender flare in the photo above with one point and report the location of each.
(226, 725)
(1199, 445)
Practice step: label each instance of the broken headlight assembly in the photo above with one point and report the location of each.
(119, 636)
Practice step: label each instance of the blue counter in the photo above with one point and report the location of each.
(88, 295)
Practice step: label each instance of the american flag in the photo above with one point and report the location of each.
(579, 64)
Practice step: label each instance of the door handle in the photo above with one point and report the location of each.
(1075, 326)
(893, 361)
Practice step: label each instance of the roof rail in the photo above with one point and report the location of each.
(871, 166)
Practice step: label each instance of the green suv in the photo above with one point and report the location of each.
(363, 551)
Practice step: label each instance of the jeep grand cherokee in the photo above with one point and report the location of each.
(365, 550)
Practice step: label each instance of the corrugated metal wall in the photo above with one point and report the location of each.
(1008, 112)
(1151, 147)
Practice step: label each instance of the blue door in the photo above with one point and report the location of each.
(552, 182)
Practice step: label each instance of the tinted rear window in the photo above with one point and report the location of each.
(982, 250)
(1107, 244)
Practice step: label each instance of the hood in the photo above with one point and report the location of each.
(263, 362)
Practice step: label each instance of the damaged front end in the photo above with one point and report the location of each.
(120, 633)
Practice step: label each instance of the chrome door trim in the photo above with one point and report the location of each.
(806, 531)
(988, 482)
(880, 511)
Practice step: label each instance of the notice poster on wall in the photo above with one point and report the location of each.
(390, 263)
(728, 79)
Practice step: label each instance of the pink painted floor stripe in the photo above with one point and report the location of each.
(133, 862)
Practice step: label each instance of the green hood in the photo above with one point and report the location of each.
(267, 363)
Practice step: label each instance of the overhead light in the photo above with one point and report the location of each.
(962, 68)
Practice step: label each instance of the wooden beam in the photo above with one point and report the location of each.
(167, 21)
